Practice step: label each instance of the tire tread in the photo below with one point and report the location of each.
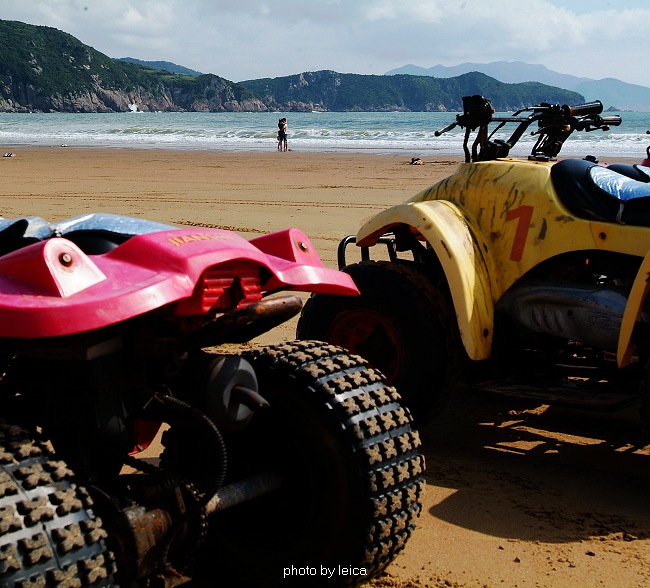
(48, 534)
(379, 430)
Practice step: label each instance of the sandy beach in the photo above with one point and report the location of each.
(517, 494)
(326, 195)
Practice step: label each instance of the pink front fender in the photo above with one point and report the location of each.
(51, 288)
(296, 262)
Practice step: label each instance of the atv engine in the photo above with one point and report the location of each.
(591, 315)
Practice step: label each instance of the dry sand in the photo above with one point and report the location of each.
(517, 494)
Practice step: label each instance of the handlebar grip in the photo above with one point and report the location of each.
(445, 129)
(595, 107)
(613, 121)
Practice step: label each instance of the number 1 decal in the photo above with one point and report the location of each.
(524, 214)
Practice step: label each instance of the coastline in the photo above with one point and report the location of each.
(406, 133)
(513, 497)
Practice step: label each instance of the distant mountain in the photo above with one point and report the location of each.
(329, 90)
(612, 92)
(163, 65)
(509, 72)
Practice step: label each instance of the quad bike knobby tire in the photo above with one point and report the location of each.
(350, 468)
(48, 534)
(401, 323)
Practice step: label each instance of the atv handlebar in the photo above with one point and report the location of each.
(449, 127)
(612, 121)
(555, 124)
(586, 109)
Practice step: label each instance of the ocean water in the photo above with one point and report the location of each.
(390, 132)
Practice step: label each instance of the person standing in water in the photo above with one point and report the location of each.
(282, 134)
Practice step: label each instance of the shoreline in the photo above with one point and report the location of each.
(433, 155)
(407, 133)
(428, 152)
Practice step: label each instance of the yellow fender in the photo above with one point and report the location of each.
(464, 259)
(632, 312)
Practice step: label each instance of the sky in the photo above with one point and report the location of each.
(247, 39)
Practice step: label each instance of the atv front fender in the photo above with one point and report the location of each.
(632, 313)
(464, 259)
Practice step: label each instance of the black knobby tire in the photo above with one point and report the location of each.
(49, 535)
(351, 470)
(401, 323)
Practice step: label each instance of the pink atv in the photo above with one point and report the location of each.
(277, 461)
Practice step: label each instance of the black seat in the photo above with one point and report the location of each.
(635, 171)
(20, 232)
(94, 234)
(99, 233)
(591, 191)
(96, 242)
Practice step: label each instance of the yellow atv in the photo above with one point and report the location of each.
(533, 271)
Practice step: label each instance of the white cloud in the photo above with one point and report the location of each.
(415, 10)
(382, 11)
(253, 38)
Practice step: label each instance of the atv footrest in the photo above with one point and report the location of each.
(592, 396)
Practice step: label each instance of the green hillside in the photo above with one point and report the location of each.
(164, 65)
(345, 92)
(42, 68)
(52, 62)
